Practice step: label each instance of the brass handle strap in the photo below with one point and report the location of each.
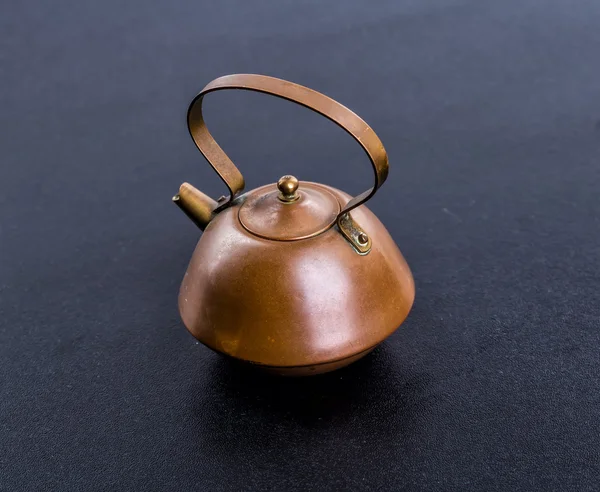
(316, 101)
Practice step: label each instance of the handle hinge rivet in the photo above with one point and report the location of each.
(363, 238)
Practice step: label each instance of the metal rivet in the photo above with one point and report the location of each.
(363, 238)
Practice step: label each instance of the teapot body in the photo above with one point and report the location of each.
(294, 307)
(296, 278)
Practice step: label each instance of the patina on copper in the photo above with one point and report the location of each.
(295, 277)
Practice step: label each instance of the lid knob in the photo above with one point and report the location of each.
(287, 186)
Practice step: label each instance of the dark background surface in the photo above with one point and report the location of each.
(490, 112)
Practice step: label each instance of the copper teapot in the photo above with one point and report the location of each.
(294, 277)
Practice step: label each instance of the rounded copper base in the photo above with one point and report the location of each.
(313, 370)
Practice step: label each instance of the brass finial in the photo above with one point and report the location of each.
(287, 186)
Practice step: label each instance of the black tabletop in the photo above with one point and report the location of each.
(490, 112)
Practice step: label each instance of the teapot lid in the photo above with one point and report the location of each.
(289, 211)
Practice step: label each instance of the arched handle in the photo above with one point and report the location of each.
(311, 99)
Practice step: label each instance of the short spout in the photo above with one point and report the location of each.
(196, 205)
